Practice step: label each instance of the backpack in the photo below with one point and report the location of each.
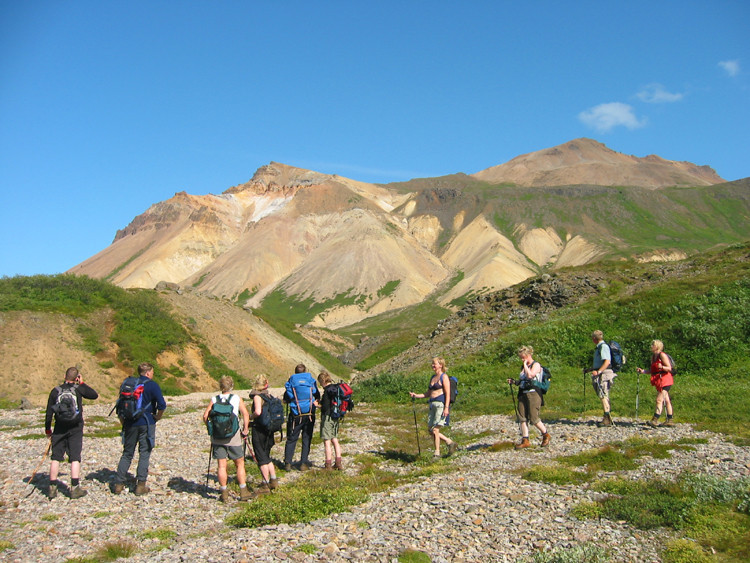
(222, 423)
(618, 358)
(129, 405)
(543, 386)
(299, 391)
(272, 414)
(671, 362)
(454, 389)
(66, 406)
(340, 396)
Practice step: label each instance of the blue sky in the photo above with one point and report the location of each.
(109, 107)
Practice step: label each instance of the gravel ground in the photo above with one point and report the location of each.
(482, 511)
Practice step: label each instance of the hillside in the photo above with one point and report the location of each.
(39, 344)
(334, 251)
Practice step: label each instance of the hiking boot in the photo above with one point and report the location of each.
(606, 421)
(452, 447)
(224, 496)
(304, 466)
(264, 489)
(141, 488)
(524, 443)
(287, 467)
(78, 492)
(668, 423)
(245, 494)
(328, 466)
(338, 464)
(654, 422)
(118, 488)
(546, 439)
(273, 483)
(52, 492)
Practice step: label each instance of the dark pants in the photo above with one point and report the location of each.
(294, 425)
(142, 436)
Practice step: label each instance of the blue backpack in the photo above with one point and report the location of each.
(617, 355)
(543, 386)
(300, 393)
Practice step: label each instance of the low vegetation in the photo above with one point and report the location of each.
(703, 317)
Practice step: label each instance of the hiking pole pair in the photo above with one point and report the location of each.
(416, 430)
(512, 396)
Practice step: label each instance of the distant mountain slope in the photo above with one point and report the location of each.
(585, 161)
(336, 251)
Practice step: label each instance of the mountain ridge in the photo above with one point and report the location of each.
(298, 236)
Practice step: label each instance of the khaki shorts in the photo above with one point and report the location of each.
(436, 417)
(329, 428)
(529, 405)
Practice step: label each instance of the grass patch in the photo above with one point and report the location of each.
(306, 548)
(585, 553)
(50, 517)
(555, 475)
(712, 511)
(110, 551)
(312, 496)
(413, 556)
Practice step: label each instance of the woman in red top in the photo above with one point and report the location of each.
(661, 378)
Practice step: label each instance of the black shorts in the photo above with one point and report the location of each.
(70, 443)
(262, 443)
(666, 388)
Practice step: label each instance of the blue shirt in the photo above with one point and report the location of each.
(152, 400)
(602, 353)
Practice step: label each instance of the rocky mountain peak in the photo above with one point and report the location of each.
(278, 178)
(586, 161)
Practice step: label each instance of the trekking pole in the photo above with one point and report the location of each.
(208, 471)
(512, 396)
(41, 461)
(583, 412)
(416, 430)
(637, 394)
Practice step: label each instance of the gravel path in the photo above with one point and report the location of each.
(483, 511)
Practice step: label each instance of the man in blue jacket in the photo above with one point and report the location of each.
(141, 432)
(302, 395)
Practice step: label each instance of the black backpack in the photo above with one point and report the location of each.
(129, 405)
(222, 423)
(66, 406)
(272, 414)
(340, 397)
(618, 357)
(454, 389)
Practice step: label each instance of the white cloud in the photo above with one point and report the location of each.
(657, 94)
(606, 117)
(732, 68)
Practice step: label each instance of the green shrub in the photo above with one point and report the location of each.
(684, 551)
(586, 553)
(413, 556)
(305, 500)
(554, 474)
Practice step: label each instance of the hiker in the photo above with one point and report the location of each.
(141, 432)
(439, 394)
(301, 392)
(262, 438)
(602, 375)
(329, 427)
(530, 401)
(65, 403)
(230, 447)
(661, 371)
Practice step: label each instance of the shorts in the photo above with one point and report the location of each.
(601, 386)
(436, 417)
(665, 388)
(329, 428)
(262, 441)
(232, 452)
(70, 443)
(529, 405)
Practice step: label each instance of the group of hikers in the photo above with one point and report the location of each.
(233, 427)
(141, 405)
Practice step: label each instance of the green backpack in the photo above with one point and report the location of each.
(222, 423)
